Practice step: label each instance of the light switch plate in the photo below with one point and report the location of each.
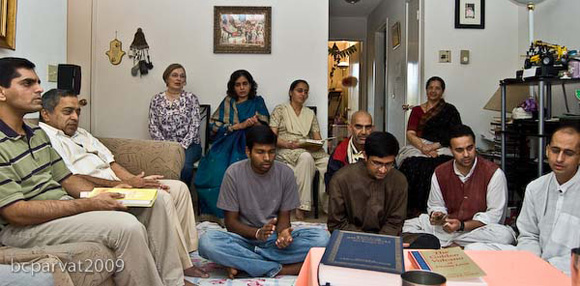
(444, 56)
(464, 57)
(52, 73)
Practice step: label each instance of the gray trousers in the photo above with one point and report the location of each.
(491, 233)
(143, 239)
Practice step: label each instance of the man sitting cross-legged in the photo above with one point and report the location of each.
(257, 196)
(468, 198)
(87, 157)
(371, 196)
(39, 198)
(549, 222)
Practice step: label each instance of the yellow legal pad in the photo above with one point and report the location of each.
(133, 197)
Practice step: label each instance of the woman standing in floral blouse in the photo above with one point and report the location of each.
(174, 116)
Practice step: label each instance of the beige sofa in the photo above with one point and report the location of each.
(152, 157)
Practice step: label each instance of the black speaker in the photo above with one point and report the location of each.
(69, 78)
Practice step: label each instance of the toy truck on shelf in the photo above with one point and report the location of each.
(546, 54)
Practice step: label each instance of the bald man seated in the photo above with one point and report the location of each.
(350, 150)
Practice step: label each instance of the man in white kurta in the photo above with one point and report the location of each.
(468, 198)
(549, 222)
(86, 156)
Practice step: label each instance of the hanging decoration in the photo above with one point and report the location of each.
(338, 54)
(140, 54)
(115, 52)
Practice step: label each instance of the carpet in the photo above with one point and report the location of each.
(218, 275)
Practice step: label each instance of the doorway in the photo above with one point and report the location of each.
(344, 67)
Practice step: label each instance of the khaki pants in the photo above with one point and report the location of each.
(180, 209)
(143, 240)
(304, 172)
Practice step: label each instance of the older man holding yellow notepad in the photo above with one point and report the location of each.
(86, 156)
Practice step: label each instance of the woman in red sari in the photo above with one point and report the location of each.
(428, 135)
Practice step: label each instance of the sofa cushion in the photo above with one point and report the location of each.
(153, 157)
(88, 255)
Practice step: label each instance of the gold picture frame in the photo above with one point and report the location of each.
(396, 35)
(8, 24)
(242, 30)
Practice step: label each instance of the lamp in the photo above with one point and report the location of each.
(531, 4)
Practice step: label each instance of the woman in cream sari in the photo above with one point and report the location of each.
(292, 121)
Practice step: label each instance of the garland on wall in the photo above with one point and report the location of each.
(337, 54)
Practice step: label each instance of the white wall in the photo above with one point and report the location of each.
(348, 28)
(182, 31)
(493, 51)
(40, 35)
(555, 22)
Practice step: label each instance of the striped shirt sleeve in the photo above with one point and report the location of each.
(10, 190)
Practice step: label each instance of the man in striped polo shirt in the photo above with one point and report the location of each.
(39, 198)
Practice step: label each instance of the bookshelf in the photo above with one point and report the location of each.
(544, 85)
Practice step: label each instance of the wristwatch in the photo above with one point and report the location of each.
(462, 226)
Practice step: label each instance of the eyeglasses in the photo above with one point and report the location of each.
(380, 165)
(567, 152)
(176, 75)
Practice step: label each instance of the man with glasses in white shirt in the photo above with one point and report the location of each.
(549, 222)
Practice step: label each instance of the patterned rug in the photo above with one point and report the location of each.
(218, 274)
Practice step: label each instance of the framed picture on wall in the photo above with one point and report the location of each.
(8, 24)
(469, 14)
(242, 30)
(396, 35)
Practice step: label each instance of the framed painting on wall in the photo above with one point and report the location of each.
(8, 24)
(242, 30)
(396, 35)
(469, 14)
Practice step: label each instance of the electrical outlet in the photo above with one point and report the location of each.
(52, 73)
(464, 57)
(444, 56)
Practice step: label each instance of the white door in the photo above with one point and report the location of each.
(379, 76)
(403, 75)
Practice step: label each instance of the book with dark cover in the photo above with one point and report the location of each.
(365, 251)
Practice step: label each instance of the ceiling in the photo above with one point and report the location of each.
(340, 8)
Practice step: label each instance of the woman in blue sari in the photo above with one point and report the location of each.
(240, 110)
